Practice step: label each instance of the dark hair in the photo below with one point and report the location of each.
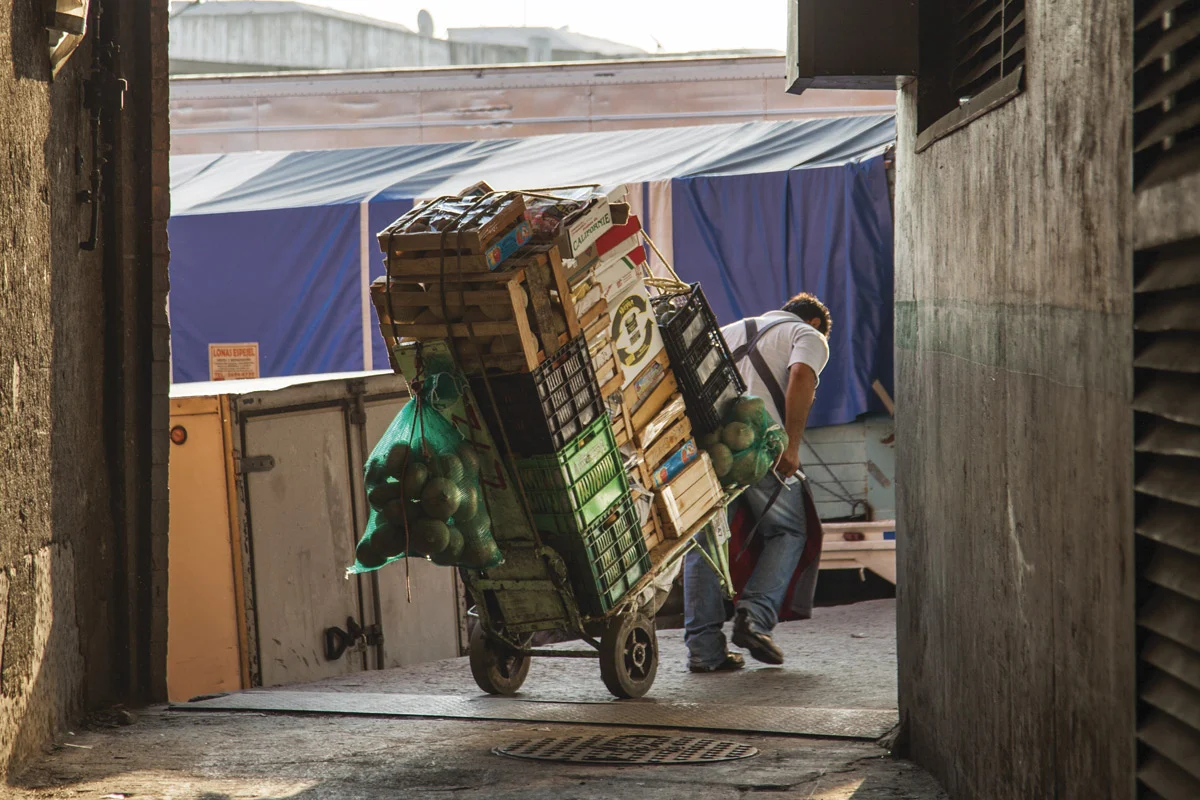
(806, 307)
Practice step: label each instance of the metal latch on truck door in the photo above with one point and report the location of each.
(254, 464)
(355, 637)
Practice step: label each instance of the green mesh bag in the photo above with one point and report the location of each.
(422, 483)
(747, 444)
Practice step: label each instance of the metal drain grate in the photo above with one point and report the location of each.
(628, 749)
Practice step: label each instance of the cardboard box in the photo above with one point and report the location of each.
(582, 232)
(616, 275)
(634, 330)
(508, 244)
(618, 241)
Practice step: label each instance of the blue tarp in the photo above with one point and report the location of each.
(274, 247)
(753, 241)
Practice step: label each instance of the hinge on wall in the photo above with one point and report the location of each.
(245, 464)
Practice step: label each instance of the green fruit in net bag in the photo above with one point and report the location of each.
(750, 410)
(722, 459)
(397, 459)
(480, 553)
(709, 439)
(440, 498)
(368, 556)
(449, 555)
(449, 466)
(477, 527)
(468, 505)
(414, 480)
(470, 460)
(387, 541)
(428, 536)
(775, 442)
(394, 513)
(384, 493)
(745, 469)
(737, 436)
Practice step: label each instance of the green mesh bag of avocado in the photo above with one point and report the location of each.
(747, 444)
(422, 484)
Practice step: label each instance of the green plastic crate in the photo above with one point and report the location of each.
(606, 559)
(572, 488)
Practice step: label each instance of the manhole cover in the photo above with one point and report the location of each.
(628, 749)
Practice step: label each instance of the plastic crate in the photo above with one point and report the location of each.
(570, 489)
(700, 358)
(568, 401)
(606, 559)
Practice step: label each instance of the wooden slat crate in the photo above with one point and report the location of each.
(486, 222)
(510, 320)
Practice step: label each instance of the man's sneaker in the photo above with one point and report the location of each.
(760, 645)
(732, 663)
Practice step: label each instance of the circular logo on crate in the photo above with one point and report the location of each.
(632, 329)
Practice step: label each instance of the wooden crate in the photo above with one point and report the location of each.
(473, 235)
(668, 442)
(507, 320)
(693, 494)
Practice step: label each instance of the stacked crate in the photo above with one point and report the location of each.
(482, 284)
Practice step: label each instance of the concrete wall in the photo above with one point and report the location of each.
(1013, 378)
(77, 590)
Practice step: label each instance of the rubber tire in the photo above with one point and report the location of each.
(629, 656)
(496, 669)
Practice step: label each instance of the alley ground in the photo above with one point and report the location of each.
(843, 658)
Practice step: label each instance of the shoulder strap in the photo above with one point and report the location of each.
(750, 349)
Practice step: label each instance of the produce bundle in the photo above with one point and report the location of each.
(747, 444)
(422, 483)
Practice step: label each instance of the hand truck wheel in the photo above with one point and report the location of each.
(629, 655)
(496, 667)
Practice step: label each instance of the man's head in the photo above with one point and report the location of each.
(811, 310)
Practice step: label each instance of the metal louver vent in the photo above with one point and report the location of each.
(1167, 423)
(1166, 88)
(989, 44)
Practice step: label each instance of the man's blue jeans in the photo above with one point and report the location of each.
(783, 531)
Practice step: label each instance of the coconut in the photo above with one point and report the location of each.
(749, 409)
(479, 553)
(386, 541)
(450, 555)
(440, 498)
(722, 459)
(475, 527)
(384, 493)
(428, 536)
(451, 467)
(414, 480)
(737, 436)
(397, 458)
(745, 469)
(368, 556)
(709, 439)
(468, 506)
(470, 460)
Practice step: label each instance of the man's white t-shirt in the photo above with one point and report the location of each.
(791, 342)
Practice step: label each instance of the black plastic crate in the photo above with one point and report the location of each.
(606, 559)
(700, 358)
(543, 410)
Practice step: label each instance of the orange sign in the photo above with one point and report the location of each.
(233, 362)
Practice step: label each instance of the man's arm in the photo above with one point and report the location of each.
(801, 390)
